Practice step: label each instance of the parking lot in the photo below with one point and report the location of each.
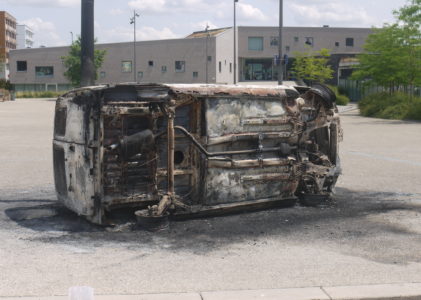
(370, 233)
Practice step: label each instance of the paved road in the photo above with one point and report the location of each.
(370, 233)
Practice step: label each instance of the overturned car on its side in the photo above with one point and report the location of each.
(172, 149)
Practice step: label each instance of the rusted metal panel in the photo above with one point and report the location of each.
(193, 148)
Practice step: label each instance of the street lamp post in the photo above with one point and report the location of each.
(71, 33)
(280, 57)
(207, 53)
(133, 21)
(235, 44)
(87, 44)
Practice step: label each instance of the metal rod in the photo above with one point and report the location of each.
(87, 44)
(212, 154)
(134, 46)
(171, 144)
(235, 43)
(133, 21)
(207, 54)
(280, 58)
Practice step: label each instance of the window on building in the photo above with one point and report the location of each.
(260, 69)
(180, 66)
(150, 63)
(220, 67)
(209, 58)
(164, 69)
(102, 74)
(287, 48)
(273, 41)
(195, 74)
(296, 39)
(336, 44)
(255, 43)
(230, 67)
(44, 71)
(126, 66)
(309, 41)
(139, 75)
(349, 42)
(21, 66)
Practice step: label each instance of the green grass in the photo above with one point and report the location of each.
(341, 98)
(46, 94)
(398, 106)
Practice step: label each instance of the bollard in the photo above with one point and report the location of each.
(81, 293)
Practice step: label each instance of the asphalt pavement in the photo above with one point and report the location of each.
(370, 233)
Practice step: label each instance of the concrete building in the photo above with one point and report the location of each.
(201, 57)
(25, 37)
(258, 46)
(7, 41)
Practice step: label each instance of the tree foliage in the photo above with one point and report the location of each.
(312, 66)
(72, 62)
(410, 14)
(5, 84)
(392, 57)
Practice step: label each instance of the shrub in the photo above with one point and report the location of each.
(342, 90)
(341, 98)
(5, 84)
(398, 106)
(45, 94)
(415, 112)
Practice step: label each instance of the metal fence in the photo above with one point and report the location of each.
(356, 90)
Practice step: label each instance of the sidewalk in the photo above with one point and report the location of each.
(373, 292)
(345, 108)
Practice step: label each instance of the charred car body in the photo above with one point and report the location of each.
(193, 149)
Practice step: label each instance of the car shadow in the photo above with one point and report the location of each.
(351, 218)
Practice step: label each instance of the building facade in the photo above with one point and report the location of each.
(202, 57)
(258, 47)
(25, 37)
(7, 41)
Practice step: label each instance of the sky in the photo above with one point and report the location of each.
(54, 20)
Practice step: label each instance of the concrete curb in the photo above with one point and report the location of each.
(403, 291)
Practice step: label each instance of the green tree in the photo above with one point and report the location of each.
(312, 66)
(5, 84)
(392, 56)
(410, 14)
(409, 17)
(383, 60)
(73, 64)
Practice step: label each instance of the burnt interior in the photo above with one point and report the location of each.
(127, 176)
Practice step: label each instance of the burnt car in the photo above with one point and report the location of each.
(174, 149)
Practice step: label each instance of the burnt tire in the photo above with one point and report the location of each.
(150, 222)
